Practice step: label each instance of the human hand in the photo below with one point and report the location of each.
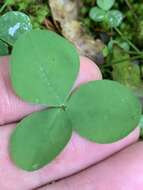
(78, 154)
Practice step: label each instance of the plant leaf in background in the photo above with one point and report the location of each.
(126, 72)
(114, 18)
(118, 43)
(104, 111)
(97, 14)
(12, 25)
(3, 48)
(39, 138)
(48, 71)
(105, 4)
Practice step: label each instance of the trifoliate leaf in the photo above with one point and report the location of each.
(114, 18)
(105, 4)
(12, 25)
(39, 138)
(44, 67)
(3, 48)
(104, 111)
(97, 14)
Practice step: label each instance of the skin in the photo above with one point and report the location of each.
(75, 158)
(123, 171)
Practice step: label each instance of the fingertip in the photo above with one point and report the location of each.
(90, 66)
(4, 59)
(89, 71)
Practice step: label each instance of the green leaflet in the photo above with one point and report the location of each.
(97, 14)
(104, 111)
(105, 4)
(3, 48)
(39, 138)
(44, 67)
(114, 18)
(12, 25)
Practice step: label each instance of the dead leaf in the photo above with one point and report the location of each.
(65, 13)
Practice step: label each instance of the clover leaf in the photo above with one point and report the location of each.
(105, 4)
(97, 14)
(102, 13)
(44, 67)
(12, 25)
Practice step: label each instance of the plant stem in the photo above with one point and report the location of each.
(129, 42)
(9, 44)
(3, 7)
(122, 60)
(133, 53)
(127, 59)
(131, 9)
(128, 4)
